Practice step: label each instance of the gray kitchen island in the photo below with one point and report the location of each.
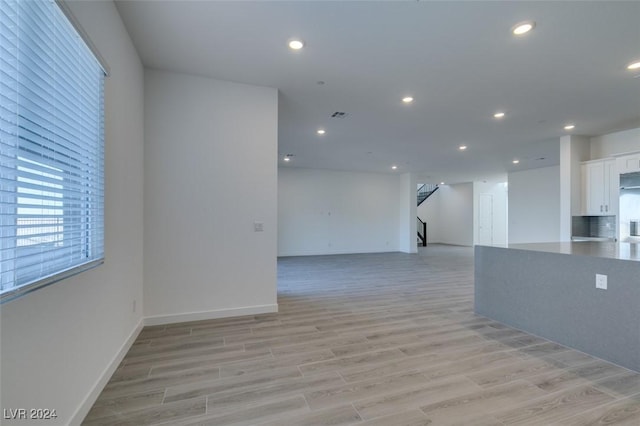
(549, 289)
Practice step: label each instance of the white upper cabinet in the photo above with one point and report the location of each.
(629, 163)
(599, 188)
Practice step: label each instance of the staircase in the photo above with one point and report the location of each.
(424, 192)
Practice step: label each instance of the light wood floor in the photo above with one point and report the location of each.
(376, 339)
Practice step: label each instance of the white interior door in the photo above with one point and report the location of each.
(485, 220)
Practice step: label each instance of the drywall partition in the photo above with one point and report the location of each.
(573, 150)
(407, 242)
(331, 212)
(455, 225)
(210, 181)
(615, 143)
(61, 344)
(534, 205)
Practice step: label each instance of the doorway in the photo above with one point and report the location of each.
(485, 220)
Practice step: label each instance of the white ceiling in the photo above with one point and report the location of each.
(458, 60)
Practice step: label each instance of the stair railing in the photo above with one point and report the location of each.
(422, 237)
(425, 192)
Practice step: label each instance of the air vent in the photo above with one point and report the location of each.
(339, 114)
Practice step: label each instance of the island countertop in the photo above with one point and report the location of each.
(607, 250)
(584, 295)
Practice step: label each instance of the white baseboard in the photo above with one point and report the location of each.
(102, 381)
(206, 315)
(334, 252)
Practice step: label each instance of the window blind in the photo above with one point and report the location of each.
(52, 148)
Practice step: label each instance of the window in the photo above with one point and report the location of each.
(52, 148)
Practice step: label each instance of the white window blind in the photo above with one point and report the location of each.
(52, 148)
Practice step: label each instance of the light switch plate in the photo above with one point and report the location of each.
(601, 281)
(258, 226)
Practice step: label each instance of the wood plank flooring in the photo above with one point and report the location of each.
(371, 339)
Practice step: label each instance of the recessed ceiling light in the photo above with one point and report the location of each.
(287, 158)
(634, 65)
(499, 114)
(296, 44)
(441, 183)
(394, 167)
(407, 99)
(523, 27)
(515, 161)
(462, 147)
(321, 131)
(570, 127)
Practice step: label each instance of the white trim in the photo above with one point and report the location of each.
(206, 315)
(335, 252)
(92, 396)
(42, 282)
(83, 34)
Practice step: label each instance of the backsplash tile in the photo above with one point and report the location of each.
(593, 226)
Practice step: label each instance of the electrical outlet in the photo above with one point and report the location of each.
(258, 226)
(601, 281)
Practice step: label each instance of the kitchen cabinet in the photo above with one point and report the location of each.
(600, 188)
(629, 163)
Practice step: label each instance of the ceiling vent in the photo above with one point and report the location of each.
(339, 114)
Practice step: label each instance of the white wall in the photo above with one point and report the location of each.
(408, 223)
(534, 205)
(61, 343)
(498, 192)
(449, 215)
(330, 212)
(210, 173)
(456, 214)
(615, 143)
